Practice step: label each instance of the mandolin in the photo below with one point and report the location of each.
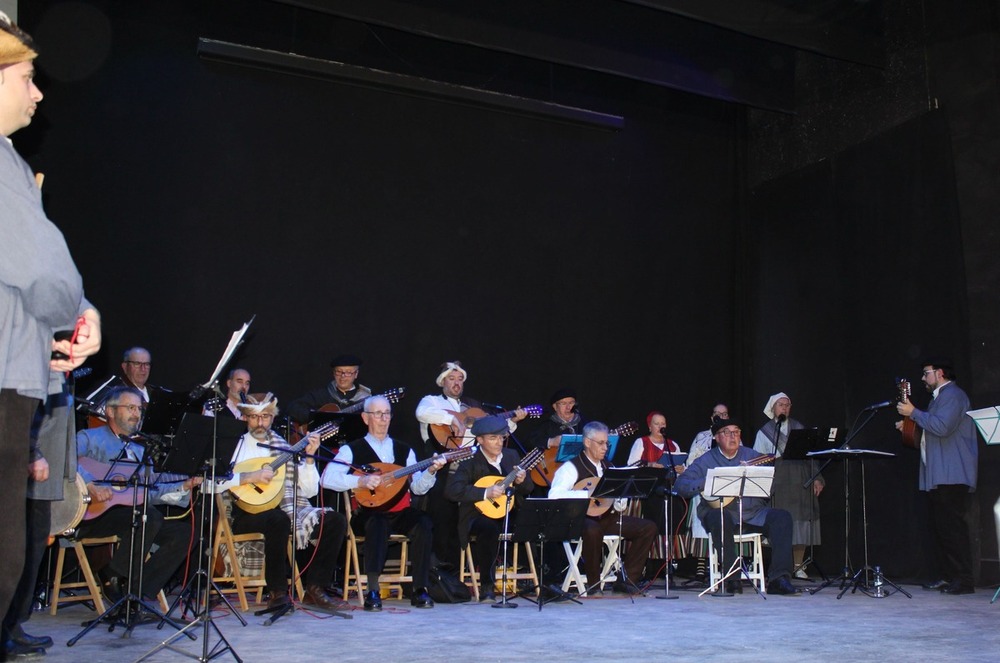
(911, 431)
(544, 471)
(723, 502)
(447, 438)
(598, 505)
(498, 507)
(258, 497)
(390, 491)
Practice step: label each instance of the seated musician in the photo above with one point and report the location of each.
(775, 524)
(342, 390)
(237, 390)
(376, 524)
(444, 409)
(492, 459)
(564, 420)
(639, 532)
(275, 523)
(123, 408)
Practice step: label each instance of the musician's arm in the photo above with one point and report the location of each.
(461, 487)
(428, 412)
(422, 481)
(335, 476)
(692, 481)
(563, 481)
(636, 452)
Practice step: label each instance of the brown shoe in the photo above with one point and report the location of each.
(277, 600)
(317, 596)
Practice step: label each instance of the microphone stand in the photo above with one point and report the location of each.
(668, 491)
(505, 542)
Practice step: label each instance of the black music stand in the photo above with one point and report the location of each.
(542, 519)
(800, 443)
(738, 481)
(625, 484)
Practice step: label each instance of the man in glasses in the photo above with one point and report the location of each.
(949, 458)
(395, 516)
(324, 526)
(775, 524)
(639, 532)
(342, 390)
(492, 459)
(109, 444)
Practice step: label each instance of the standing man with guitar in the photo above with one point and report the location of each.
(491, 460)
(446, 410)
(775, 524)
(342, 390)
(639, 532)
(394, 516)
(123, 408)
(949, 458)
(261, 471)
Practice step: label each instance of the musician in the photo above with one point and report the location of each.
(136, 365)
(638, 532)
(789, 478)
(52, 439)
(564, 420)
(492, 459)
(123, 408)
(343, 389)
(324, 524)
(41, 292)
(445, 409)
(775, 524)
(699, 537)
(237, 389)
(949, 457)
(376, 526)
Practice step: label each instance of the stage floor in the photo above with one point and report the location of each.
(819, 627)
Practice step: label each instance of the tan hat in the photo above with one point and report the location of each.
(260, 404)
(16, 45)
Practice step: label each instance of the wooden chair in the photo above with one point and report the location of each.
(756, 571)
(227, 545)
(89, 582)
(574, 550)
(468, 569)
(393, 575)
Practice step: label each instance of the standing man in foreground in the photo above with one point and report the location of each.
(949, 459)
(41, 292)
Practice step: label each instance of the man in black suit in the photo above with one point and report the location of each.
(492, 459)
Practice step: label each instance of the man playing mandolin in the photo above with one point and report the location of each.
(775, 524)
(464, 487)
(395, 515)
(571, 481)
(273, 519)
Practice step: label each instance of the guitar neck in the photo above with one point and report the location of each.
(286, 456)
(525, 464)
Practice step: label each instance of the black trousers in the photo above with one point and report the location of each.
(38, 519)
(331, 530)
(16, 412)
(484, 550)
(949, 510)
(377, 526)
(276, 527)
(777, 528)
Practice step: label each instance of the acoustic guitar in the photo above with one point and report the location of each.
(598, 505)
(121, 489)
(722, 502)
(257, 497)
(390, 491)
(446, 438)
(392, 395)
(544, 471)
(911, 431)
(497, 508)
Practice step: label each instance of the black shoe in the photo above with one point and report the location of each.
(14, 650)
(487, 595)
(421, 599)
(734, 587)
(373, 602)
(957, 588)
(113, 589)
(21, 638)
(936, 586)
(619, 587)
(783, 587)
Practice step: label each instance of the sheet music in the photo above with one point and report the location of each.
(234, 342)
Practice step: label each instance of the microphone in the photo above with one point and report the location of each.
(663, 430)
(243, 397)
(493, 406)
(780, 419)
(575, 409)
(879, 406)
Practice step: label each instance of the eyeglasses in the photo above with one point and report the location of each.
(260, 416)
(600, 443)
(929, 370)
(345, 374)
(130, 408)
(379, 415)
(139, 364)
(730, 433)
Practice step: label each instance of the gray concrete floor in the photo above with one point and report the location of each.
(928, 627)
